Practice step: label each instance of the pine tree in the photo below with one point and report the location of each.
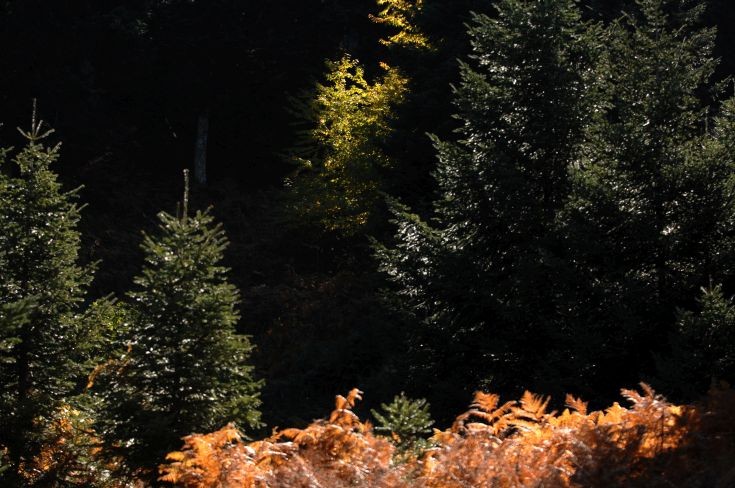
(39, 247)
(651, 209)
(186, 370)
(482, 277)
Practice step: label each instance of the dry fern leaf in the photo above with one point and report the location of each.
(291, 433)
(344, 417)
(535, 405)
(443, 437)
(342, 413)
(576, 404)
(175, 456)
(647, 390)
(569, 419)
(340, 402)
(353, 396)
(487, 402)
(641, 401)
(171, 477)
(612, 415)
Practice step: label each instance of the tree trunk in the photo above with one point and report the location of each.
(200, 155)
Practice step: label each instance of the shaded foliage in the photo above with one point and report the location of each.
(572, 220)
(491, 250)
(703, 346)
(650, 217)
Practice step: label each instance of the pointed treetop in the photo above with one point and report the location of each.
(35, 134)
(185, 209)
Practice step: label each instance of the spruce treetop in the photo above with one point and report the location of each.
(44, 350)
(187, 369)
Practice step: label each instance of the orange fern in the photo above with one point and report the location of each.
(514, 444)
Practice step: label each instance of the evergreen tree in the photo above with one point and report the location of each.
(703, 346)
(702, 341)
(650, 219)
(39, 247)
(482, 279)
(12, 317)
(186, 370)
(424, 39)
(406, 422)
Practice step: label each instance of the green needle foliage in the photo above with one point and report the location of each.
(651, 216)
(703, 341)
(407, 422)
(703, 346)
(482, 277)
(12, 317)
(39, 247)
(186, 369)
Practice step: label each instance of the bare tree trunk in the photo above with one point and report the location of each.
(200, 155)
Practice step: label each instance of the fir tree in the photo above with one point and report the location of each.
(702, 340)
(12, 317)
(483, 278)
(39, 247)
(186, 370)
(651, 214)
(703, 346)
(407, 422)
(424, 39)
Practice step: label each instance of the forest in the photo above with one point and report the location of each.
(494, 238)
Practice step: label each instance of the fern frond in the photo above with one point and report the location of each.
(487, 402)
(576, 404)
(534, 404)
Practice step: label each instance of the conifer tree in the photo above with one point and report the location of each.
(424, 39)
(407, 422)
(186, 370)
(703, 346)
(39, 247)
(650, 219)
(482, 277)
(12, 317)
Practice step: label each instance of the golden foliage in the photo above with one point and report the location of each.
(514, 444)
(401, 15)
(341, 451)
(341, 154)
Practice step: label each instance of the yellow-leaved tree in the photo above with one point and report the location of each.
(401, 16)
(341, 158)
